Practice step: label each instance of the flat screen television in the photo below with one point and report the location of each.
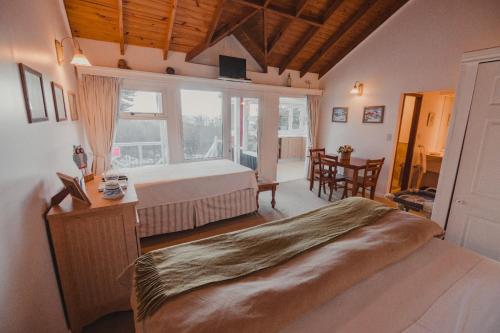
(231, 67)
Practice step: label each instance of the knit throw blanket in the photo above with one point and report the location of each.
(165, 273)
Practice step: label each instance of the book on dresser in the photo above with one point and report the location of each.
(92, 245)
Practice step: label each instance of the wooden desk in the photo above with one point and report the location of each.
(92, 246)
(355, 164)
(265, 185)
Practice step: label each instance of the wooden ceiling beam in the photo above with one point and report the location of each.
(259, 57)
(170, 28)
(356, 41)
(211, 30)
(307, 36)
(300, 7)
(280, 12)
(281, 32)
(336, 36)
(231, 27)
(120, 27)
(264, 37)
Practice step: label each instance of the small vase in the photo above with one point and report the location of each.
(345, 158)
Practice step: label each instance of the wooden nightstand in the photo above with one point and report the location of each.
(266, 185)
(92, 246)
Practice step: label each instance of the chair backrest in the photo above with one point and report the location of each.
(372, 171)
(315, 153)
(329, 163)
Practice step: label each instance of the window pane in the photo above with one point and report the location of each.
(296, 118)
(296, 108)
(201, 124)
(284, 112)
(139, 143)
(137, 101)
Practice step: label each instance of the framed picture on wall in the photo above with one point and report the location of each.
(339, 115)
(72, 105)
(59, 105)
(374, 114)
(34, 96)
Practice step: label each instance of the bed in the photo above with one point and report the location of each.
(393, 274)
(183, 196)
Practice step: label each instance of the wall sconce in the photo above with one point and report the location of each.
(357, 89)
(78, 57)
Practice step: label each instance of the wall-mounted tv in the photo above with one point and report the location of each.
(233, 68)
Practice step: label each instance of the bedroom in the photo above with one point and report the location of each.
(419, 48)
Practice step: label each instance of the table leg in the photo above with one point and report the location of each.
(257, 199)
(311, 175)
(355, 186)
(273, 202)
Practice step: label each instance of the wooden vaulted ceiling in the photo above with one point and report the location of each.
(304, 35)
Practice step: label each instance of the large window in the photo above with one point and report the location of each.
(293, 116)
(141, 133)
(201, 124)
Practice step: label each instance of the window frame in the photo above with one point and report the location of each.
(147, 87)
(162, 116)
(290, 131)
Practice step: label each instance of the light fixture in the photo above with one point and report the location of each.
(357, 89)
(79, 58)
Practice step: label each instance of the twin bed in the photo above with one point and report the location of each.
(184, 196)
(374, 269)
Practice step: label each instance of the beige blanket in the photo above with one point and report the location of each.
(165, 273)
(268, 300)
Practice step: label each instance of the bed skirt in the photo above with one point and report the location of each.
(187, 215)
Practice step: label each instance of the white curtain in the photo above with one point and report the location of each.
(313, 119)
(98, 98)
(313, 105)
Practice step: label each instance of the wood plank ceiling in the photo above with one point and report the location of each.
(304, 35)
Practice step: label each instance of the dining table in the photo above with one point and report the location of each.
(354, 165)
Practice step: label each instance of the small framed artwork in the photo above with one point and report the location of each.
(72, 105)
(34, 96)
(73, 186)
(339, 115)
(374, 114)
(59, 106)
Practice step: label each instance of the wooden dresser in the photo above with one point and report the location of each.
(92, 246)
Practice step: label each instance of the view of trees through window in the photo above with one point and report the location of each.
(201, 124)
(139, 141)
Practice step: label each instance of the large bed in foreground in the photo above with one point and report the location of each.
(183, 196)
(361, 267)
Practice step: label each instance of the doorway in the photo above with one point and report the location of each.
(292, 138)
(244, 140)
(421, 142)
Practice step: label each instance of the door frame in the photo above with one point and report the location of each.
(458, 127)
(411, 141)
(230, 93)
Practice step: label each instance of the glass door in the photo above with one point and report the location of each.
(244, 138)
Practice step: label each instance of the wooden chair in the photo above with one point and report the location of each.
(328, 166)
(368, 180)
(314, 169)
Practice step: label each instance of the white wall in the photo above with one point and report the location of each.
(106, 54)
(30, 156)
(418, 49)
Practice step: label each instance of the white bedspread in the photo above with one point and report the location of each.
(160, 185)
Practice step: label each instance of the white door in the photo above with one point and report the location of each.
(474, 220)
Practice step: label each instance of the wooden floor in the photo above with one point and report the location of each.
(292, 198)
